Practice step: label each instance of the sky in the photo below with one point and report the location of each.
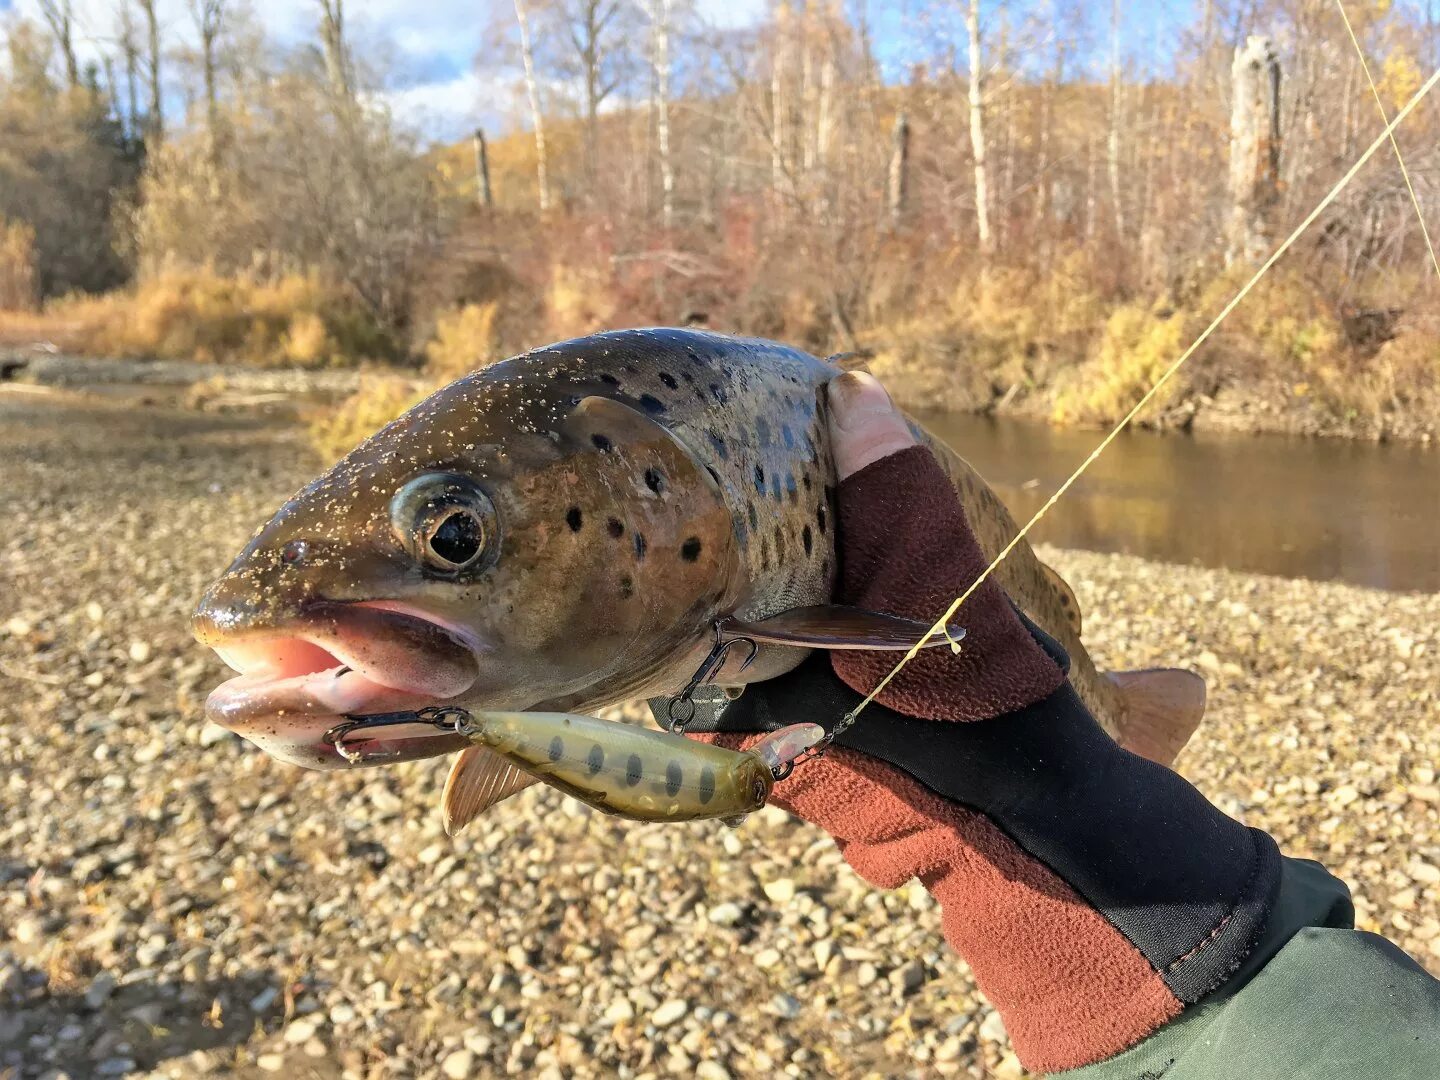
(432, 43)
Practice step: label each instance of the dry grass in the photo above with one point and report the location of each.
(294, 320)
(380, 399)
(465, 338)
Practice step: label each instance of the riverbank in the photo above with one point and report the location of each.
(174, 901)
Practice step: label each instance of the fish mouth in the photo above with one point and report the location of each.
(299, 679)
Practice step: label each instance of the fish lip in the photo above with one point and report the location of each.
(288, 713)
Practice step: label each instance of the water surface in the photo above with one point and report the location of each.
(1315, 508)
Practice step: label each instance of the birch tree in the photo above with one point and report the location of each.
(977, 133)
(537, 117)
(209, 17)
(658, 12)
(59, 16)
(1254, 148)
(155, 113)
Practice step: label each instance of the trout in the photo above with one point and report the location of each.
(572, 528)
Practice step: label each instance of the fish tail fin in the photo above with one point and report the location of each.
(1163, 707)
(1070, 606)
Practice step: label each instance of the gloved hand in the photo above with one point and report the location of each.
(1093, 893)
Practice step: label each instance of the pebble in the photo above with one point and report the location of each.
(559, 940)
(458, 1065)
(669, 1012)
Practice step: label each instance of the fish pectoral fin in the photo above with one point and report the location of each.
(835, 626)
(478, 780)
(1163, 707)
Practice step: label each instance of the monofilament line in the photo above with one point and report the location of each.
(1275, 256)
(1379, 104)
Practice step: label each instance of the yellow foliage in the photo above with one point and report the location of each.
(579, 302)
(1138, 345)
(1400, 78)
(200, 315)
(465, 339)
(19, 288)
(380, 399)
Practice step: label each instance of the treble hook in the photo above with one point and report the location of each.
(680, 709)
(444, 717)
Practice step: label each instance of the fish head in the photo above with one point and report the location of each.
(505, 545)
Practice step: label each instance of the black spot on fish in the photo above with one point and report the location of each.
(627, 588)
(760, 479)
(764, 553)
(720, 448)
(557, 749)
(595, 760)
(674, 776)
(707, 784)
(808, 539)
(669, 380)
(805, 479)
(639, 545)
(601, 443)
(754, 515)
(687, 376)
(717, 392)
(787, 437)
(634, 770)
(820, 518)
(779, 541)
(574, 519)
(790, 488)
(690, 550)
(652, 404)
(762, 429)
(609, 380)
(655, 480)
(615, 528)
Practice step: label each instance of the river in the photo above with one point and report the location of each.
(1314, 508)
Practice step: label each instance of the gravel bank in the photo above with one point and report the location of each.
(173, 901)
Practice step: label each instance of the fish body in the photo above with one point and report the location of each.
(635, 772)
(563, 531)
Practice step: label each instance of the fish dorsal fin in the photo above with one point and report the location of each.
(834, 626)
(1068, 604)
(1163, 707)
(478, 780)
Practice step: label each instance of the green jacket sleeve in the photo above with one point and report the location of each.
(1315, 1000)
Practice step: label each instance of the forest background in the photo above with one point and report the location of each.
(1027, 208)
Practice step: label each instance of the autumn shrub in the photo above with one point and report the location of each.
(466, 338)
(292, 320)
(379, 400)
(1138, 344)
(19, 286)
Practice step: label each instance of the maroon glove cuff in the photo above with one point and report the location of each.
(908, 550)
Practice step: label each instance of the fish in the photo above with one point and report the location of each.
(575, 527)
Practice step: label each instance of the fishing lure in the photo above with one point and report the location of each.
(631, 772)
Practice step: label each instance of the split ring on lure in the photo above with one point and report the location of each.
(631, 772)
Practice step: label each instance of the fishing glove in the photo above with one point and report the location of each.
(1093, 893)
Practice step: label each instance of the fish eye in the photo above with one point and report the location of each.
(445, 521)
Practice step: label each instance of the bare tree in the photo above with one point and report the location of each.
(484, 196)
(128, 40)
(337, 59)
(659, 15)
(155, 113)
(1254, 148)
(898, 181)
(59, 16)
(977, 133)
(537, 118)
(209, 16)
(590, 27)
(1112, 139)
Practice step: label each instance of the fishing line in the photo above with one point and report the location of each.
(1275, 256)
(1379, 104)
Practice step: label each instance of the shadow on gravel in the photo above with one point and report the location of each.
(113, 1030)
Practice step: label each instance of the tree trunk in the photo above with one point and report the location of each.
(155, 112)
(660, 24)
(1254, 149)
(532, 91)
(898, 187)
(337, 62)
(779, 101)
(977, 134)
(482, 172)
(130, 51)
(209, 17)
(60, 17)
(1112, 144)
